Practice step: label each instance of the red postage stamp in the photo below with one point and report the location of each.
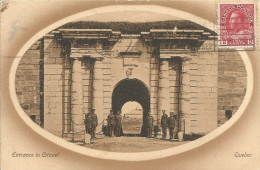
(236, 25)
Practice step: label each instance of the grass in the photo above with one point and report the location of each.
(136, 28)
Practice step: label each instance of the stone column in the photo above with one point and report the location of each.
(67, 71)
(164, 90)
(154, 74)
(98, 91)
(77, 115)
(185, 97)
(87, 84)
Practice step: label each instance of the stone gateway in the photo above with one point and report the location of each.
(73, 69)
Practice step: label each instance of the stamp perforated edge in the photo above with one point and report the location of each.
(237, 47)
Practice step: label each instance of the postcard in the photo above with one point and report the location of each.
(130, 84)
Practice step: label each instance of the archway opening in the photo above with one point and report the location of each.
(132, 119)
(131, 90)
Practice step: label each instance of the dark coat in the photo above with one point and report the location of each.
(171, 122)
(111, 119)
(164, 120)
(91, 119)
(118, 120)
(149, 121)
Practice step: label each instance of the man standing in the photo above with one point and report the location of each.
(91, 123)
(164, 123)
(111, 123)
(171, 124)
(118, 125)
(87, 123)
(149, 124)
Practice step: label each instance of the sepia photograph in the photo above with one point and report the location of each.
(130, 84)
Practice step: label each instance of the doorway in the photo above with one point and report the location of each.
(131, 90)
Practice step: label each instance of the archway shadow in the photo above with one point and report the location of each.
(131, 90)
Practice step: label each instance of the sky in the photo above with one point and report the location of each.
(130, 16)
(130, 106)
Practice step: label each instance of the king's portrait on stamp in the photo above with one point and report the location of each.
(236, 25)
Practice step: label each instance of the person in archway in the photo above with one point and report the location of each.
(91, 123)
(164, 124)
(118, 124)
(171, 124)
(111, 123)
(149, 124)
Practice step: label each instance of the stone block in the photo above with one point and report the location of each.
(153, 100)
(107, 100)
(52, 88)
(59, 60)
(153, 106)
(50, 60)
(174, 89)
(153, 89)
(107, 94)
(19, 77)
(154, 72)
(49, 78)
(86, 90)
(107, 106)
(154, 83)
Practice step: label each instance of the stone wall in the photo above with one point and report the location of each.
(27, 82)
(53, 86)
(203, 92)
(132, 63)
(232, 82)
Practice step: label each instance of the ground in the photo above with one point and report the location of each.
(131, 144)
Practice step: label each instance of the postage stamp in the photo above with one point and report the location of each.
(236, 25)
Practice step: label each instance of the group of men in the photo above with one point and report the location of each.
(114, 122)
(166, 123)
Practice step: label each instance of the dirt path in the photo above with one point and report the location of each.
(131, 144)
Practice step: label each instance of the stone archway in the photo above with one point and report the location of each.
(131, 90)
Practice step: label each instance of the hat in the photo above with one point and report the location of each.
(93, 109)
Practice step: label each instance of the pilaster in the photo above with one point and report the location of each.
(163, 91)
(184, 98)
(98, 91)
(77, 115)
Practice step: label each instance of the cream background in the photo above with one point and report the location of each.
(24, 19)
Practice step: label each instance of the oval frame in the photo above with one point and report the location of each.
(137, 156)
